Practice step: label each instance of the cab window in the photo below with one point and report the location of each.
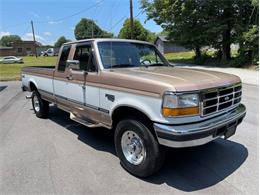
(63, 58)
(84, 55)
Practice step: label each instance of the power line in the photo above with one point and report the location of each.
(120, 20)
(15, 25)
(141, 11)
(113, 10)
(56, 20)
(77, 13)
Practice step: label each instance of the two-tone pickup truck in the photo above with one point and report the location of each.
(129, 87)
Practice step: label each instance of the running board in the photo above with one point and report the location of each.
(28, 97)
(84, 122)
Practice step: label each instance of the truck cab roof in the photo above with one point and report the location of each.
(107, 39)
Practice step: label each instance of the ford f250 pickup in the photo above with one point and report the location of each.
(129, 87)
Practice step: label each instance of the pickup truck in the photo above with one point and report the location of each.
(50, 52)
(128, 86)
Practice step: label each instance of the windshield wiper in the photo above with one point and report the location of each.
(155, 64)
(123, 66)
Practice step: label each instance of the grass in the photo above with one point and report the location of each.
(209, 58)
(181, 57)
(12, 71)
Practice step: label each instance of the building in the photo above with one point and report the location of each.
(20, 48)
(166, 46)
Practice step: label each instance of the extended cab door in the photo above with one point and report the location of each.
(82, 90)
(60, 80)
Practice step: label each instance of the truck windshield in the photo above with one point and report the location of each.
(116, 54)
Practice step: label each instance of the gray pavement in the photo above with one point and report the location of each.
(57, 155)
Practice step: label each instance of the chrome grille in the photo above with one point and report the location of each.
(220, 99)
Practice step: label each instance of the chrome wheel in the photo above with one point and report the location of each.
(36, 104)
(133, 147)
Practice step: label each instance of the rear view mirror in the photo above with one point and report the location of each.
(73, 64)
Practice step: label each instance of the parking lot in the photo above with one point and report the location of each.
(57, 155)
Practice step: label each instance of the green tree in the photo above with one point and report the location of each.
(249, 41)
(87, 28)
(60, 41)
(228, 22)
(7, 40)
(199, 23)
(139, 32)
(181, 20)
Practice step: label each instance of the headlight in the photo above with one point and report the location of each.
(180, 105)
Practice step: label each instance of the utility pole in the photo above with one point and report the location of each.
(131, 19)
(34, 39)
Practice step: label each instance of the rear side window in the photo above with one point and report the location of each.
(63, 58)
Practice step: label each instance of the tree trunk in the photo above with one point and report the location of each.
(226, 42)
(226, 54)
(250, 56)
(197, 52)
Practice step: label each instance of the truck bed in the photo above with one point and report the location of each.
(40, 76)
(39, 70)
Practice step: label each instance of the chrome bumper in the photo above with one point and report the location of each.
(187, 135)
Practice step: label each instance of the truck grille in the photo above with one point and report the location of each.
(220, 99)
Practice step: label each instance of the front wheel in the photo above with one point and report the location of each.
(40, 106)
(137, 148)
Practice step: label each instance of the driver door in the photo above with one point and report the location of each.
(82, 95)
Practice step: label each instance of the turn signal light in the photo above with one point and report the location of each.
(168, 112)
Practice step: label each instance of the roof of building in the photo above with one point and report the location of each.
(28, 42)
(1, 47)
(163, 38)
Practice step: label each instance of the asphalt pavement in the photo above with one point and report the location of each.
(57, 155)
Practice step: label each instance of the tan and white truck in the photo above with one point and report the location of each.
(129, 87)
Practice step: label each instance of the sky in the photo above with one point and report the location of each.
(55, 18)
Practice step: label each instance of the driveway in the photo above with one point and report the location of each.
(57, 155)
(247, 76)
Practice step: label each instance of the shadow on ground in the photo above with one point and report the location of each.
(188, 169)
(2, 87)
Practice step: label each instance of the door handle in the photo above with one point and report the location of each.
(69, 77)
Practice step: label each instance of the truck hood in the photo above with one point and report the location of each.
(182, 79)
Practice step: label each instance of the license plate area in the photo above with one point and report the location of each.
(231, 130)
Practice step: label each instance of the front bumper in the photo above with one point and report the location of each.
(199, 133)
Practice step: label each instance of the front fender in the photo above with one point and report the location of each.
(151, 107)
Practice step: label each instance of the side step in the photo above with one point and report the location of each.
(84, 122)
(28, 97)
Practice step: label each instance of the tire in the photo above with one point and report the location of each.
(40, 106)
(149, 160)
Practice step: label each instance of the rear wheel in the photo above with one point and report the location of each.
(40, 106)
(137, 148)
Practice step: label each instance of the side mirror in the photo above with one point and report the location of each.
(73, 64)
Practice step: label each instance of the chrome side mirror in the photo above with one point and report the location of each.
(73, 64)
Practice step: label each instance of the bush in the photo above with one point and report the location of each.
(203, 58)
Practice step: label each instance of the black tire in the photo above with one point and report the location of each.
(43, 106)
(154, 157)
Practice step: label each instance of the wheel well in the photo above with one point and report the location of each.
(124, 112)
(32, 87)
